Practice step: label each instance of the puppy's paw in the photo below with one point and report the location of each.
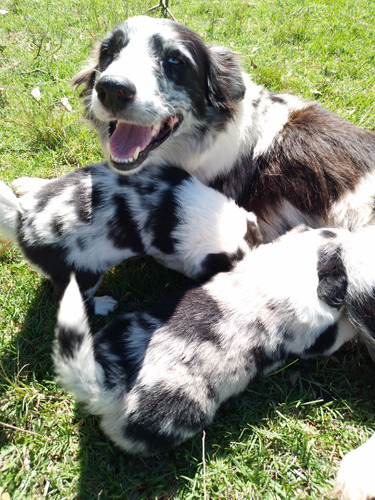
(25, 185)
(356, 477)
(104, 305)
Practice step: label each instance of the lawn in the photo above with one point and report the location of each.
(285, 435)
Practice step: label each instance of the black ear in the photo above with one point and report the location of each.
(224, 80)
(332, 276)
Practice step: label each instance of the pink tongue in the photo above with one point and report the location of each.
(126, 138)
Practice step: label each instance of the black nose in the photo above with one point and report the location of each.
(114, 92)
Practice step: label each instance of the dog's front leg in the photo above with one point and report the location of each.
(25, 185)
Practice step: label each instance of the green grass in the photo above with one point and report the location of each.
(284, 436)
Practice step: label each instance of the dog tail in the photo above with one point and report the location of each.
(73, 352)
(10, 210)
(358, 257)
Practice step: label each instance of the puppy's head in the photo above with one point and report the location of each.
(152, 83)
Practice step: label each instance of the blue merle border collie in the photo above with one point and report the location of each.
(156, 378)
(93, 218)
(157, 94)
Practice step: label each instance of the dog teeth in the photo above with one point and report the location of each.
(155, 129)
(127, 160)
(136, 153)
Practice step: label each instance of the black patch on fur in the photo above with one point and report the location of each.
(162, 221)
(215, 263)
(124, 235)
(281, 311)
(114, 354)
(57, 186)
(144, 188)
(195, 321)
(151, 436)
(69, 341)
(265, 359)
(58, 226)
(332, 276)
(327, 233)
(255, 102)
(82, 203)
(173, 176)
(361, 307)
(123, 180)
(144, 322)
(49, 258)
(324, 342)
(112, 45)
(179, 69)
(276, 98)
(215, 79)
(210, 391)
(164, 404)
(52, 260)
(96, 196)
(87, 279)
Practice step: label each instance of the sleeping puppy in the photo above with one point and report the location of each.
(157, 378)
(93, 218)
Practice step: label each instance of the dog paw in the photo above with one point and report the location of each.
(356, 477)
(25, 185)
(104, 305)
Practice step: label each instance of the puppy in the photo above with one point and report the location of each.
(157, 378)
(93, 218)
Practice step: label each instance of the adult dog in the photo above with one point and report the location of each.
(157, 94)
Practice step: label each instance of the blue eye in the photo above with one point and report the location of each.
(174, 60)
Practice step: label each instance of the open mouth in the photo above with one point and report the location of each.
(129, 145)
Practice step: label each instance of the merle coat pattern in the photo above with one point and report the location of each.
(157, 378)
(93, 218)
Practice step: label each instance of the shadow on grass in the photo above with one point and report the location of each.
(106, 472)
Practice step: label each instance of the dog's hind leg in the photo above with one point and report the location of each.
(104, 305)
(89, 283)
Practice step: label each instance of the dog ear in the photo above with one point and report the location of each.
(225, 84)
(86, 77)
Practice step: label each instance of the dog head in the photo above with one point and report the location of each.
(152, 82)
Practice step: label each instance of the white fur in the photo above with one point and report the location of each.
(10, 208)
(356, 477)
(355, 209)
